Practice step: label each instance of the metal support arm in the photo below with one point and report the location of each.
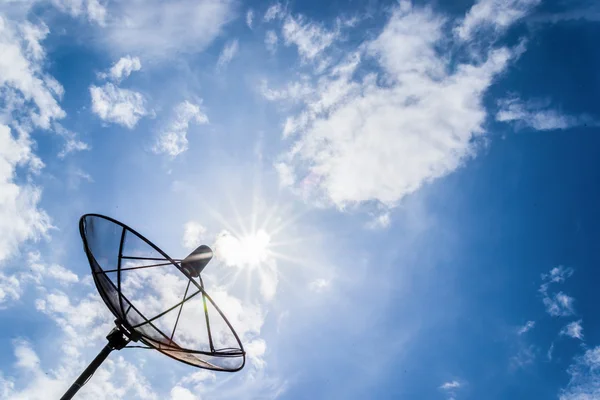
(116, 341)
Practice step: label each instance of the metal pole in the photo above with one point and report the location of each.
(116, 341)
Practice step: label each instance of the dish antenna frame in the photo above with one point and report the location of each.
(127, 330)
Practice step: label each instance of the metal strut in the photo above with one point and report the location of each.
(117, 339)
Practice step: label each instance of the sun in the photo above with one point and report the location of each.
(255, 247)
(246, 251)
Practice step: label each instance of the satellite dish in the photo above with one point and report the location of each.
(134, 278)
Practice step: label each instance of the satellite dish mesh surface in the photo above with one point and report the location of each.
(136, 279)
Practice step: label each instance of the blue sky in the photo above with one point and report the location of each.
(401, 196)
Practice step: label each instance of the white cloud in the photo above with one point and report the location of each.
(21, 219)
(380, 221)
(582, 11)
(526, 328)
(557, 304)
(249, 18)
(21, 76)
(524, 357)
(560, 305)
(269, 279)
(71, 146)
(450, 385)
(285, 173)
(74, 316)
(13, 285)
(229, 51)
(493, 15)
(271, 40)
(26, 357)
(77, 176)
(92, 9)
(538, 116)
(172, 140)
(10, 289)
(160, 30)
(61, 274)
(558, 274)
(72, 143)
(550, 351)
(310, 38)
(198, 379)
(115, 379)
(84, 321)
(319, 285)
(585, 377)
(362, 140)
(255, 350)
(294, 92)
(193, 234)
(450, 388)
(38, 272)
(123, 68)
(181, 393)
(121, 106)
(574, 330)
(275, 11)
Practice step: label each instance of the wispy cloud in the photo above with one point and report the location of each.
(310, 38)
(193, 234)
(525, 357)
(249, 18)
(526, 328)
(271, 40)
(560, 305)
(72, 142)
(10, 289)
(172, 140)
(557, 304)
(37, 274)
(585, 377)
(122, 69)
(275, 11)
(450, 385)
(451, 388)
(550, 352)
(159, 30)
(93, 10)
(229, 51)
(538, 116)
(493, 15)
(576, 11)
(319, 285)
(558, 274)
(380, 221)
(29, 98)
(574, 330)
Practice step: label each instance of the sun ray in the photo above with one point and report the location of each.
(306, 264)
(301, 239)
(237, 216)
(287, 222)
(248, 285)
(273, 211)
(255, 201)
(219, 217)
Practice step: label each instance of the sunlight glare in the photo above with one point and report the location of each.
(247, 251)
